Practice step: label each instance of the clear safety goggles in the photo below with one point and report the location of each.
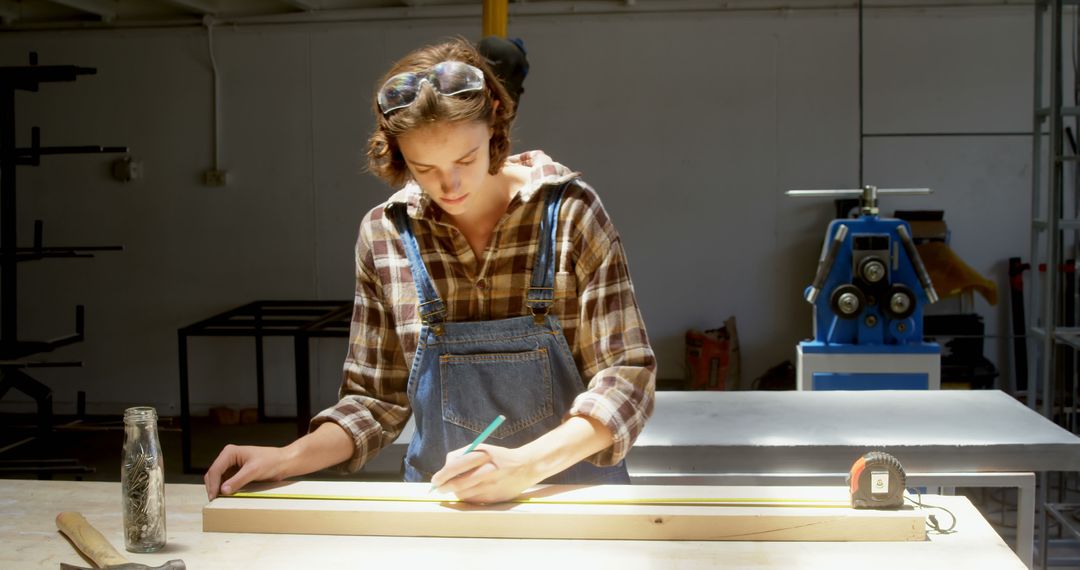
(447, 78)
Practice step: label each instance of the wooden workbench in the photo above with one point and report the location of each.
(30, 540)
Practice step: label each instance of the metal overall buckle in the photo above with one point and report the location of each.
(540, 312)
(540, 315)
(425, 318)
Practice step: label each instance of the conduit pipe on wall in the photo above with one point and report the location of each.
(495, 18)
(215, 176)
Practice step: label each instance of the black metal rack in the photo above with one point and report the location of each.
(15, 354)
(302, 320)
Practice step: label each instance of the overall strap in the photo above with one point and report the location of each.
(432, 310)
(541, 293)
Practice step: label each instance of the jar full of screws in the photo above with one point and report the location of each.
(142, 480)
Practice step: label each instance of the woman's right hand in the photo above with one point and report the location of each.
(239, 465)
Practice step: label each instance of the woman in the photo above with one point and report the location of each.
(487, 285)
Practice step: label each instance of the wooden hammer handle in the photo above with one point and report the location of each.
(88, 540)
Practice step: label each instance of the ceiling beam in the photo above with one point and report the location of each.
(305, 5)
(9, 11)
(201, 7)
(104, 9)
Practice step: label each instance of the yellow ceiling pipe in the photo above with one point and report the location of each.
(496, 15)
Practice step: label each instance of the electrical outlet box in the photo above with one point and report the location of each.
(126, 169)
(215, 178)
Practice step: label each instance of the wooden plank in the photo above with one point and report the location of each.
(588, 494)
(651, 512)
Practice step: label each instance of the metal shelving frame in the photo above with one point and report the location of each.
(1055, 339)
(17, 355)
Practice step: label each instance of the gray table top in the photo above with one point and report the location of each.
(777, 432)
(825, 432)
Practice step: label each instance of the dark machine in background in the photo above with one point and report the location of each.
(962, 333)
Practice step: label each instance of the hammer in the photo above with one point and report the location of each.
(98, 549)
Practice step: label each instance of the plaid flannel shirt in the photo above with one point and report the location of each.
(594, 302)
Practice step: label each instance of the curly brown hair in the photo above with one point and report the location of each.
(384, 154)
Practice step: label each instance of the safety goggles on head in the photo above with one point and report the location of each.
(447, 78)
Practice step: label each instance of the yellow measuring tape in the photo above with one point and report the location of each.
(710, 501)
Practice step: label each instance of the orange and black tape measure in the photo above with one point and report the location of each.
(877, 481)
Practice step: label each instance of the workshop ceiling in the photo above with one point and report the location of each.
(16, 15)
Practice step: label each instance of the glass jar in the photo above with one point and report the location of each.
(142, 480)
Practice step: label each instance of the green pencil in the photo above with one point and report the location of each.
(480, 438)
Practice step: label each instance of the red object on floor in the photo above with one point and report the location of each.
(708, 355)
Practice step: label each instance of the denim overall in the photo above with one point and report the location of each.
(467, 373)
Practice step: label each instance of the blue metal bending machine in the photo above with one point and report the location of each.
(868, 297)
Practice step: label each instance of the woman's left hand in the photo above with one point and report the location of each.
(488, 474)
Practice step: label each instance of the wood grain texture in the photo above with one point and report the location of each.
(655, 513)
(88, 540)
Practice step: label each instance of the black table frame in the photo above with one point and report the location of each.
(302, 320)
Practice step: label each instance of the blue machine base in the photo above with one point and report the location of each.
(871, 381)
(818, 347)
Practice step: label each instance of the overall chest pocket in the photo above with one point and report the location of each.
(478, 387)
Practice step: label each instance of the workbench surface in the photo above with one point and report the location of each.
(28, 532)
(944, 431)
(789, 432)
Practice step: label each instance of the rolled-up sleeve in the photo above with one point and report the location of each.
(373, 404)
(614, 347)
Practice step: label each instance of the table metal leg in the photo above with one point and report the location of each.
(260, 378)
(303, 383)
(185, 404)
(1044, 519)
(260, 374)
(1025, 520)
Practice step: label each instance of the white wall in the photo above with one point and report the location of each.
(690, 126)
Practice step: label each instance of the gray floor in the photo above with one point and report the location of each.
(93, 445)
